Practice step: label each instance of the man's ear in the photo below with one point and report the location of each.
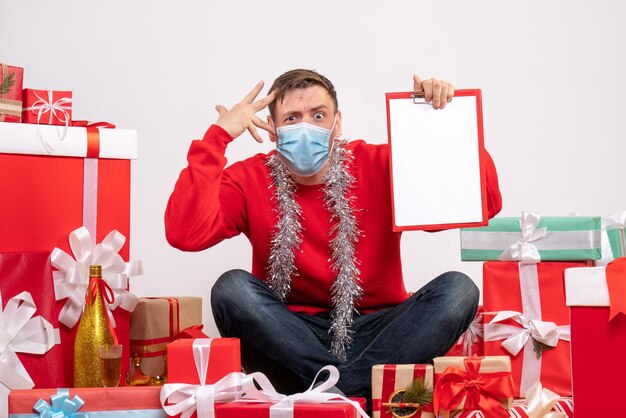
(338, 127)
(273, 137)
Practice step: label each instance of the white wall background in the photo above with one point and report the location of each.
(552, 75)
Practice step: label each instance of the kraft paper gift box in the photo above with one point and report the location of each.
(52, 186)
(613, 238)
(30, 354)
(527, 307)
(454, 390)
(120, 402)
(532, 238)
(47, 107)
(157, 321)
(470, 343)
(11, 79)
(389, 381)
(596, 296)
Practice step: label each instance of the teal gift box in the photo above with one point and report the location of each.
(613, 238)
(531, 239)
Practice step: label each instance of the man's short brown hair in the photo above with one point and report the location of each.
(300, 79)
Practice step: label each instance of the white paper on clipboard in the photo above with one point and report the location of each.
(435, 155)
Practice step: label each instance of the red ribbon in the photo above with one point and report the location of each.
(616, 282)
(98, 284)
(89, 124)
(480, 390)
(194, 331)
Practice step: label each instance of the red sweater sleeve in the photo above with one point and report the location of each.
(494, 199)
(206, 206)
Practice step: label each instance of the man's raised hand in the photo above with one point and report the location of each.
(242, 116)
(438, 91)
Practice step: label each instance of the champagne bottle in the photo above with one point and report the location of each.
(93, 331)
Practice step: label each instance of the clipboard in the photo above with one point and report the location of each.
(436, 162)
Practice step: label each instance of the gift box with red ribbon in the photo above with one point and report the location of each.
(31, 356)
(157, 321)
(473, 383)
(597, 300)
(52, 186)
(120, 402)
(390, 383)
(529, 321)
(11, 79)
(470, 343)
(48, 107)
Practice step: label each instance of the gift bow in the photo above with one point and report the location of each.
(472, 335)
(21, 332)
(71, 281)
(515, 338)
(540, 402)
(62, 406)
(480, 390)
(283, 405)
(616, 283)
(523, 250)
(185, 399)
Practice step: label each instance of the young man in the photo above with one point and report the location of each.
(326, 284)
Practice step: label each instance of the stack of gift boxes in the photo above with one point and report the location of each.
(553, 290)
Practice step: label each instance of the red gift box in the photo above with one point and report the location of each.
(520, 410)
(46, 197)
(537, 293)
(300, 410)
(224, 357)
(48, 107)
(134, 401)
(470, 343)
(11, 79)
(598, 342)
(388, 379)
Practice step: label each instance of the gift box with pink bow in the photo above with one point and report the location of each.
(72, 193)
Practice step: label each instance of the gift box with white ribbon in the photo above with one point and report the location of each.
(597, 300)
(533, 238)
(56, 182)
(526, 318)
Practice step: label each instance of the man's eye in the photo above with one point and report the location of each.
(290, 119)
(319, 116)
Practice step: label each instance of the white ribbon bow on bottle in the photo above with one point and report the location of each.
(471, 336)
(515, 338)
(540, 402)
(185, 399)
(20, 332)
(523, 250)
(72, 278)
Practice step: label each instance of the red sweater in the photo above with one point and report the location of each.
(210, 204)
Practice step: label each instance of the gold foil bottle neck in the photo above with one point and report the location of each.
(95, 270)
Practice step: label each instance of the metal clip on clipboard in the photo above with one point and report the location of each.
(417, 96)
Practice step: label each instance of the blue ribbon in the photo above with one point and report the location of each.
(62, 406)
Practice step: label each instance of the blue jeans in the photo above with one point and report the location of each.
(290, 348)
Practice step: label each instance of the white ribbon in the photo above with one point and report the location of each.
(185, 399)
(614, 221)
(515, 338)
(58, 109)
(72, 278)
(284, 404)
(523, 250)
(472, 335)
(20, 332)
(540, 402)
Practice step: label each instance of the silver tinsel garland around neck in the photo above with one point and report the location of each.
(344, 232)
